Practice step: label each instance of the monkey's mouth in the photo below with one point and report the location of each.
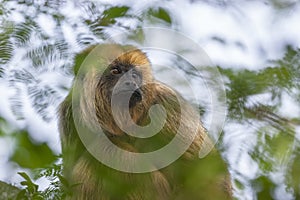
(123, 96)
(135, 98)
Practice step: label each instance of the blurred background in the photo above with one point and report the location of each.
(254, 45)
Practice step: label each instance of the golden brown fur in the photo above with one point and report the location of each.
(94, 180)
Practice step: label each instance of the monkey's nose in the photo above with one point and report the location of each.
(131, 85)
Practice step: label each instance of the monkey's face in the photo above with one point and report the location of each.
(124, 81)
(120, 84)
(121, 91)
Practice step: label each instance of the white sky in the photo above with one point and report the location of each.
(253, 33)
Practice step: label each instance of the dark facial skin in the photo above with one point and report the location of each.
(131, 80)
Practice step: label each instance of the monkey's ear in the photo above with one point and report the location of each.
(79, 58)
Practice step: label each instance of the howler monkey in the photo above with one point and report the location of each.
(114, 95)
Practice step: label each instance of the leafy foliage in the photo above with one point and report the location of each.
(294, 171)
(275, 80)
(8, 191)
(29, 51)
(56, 190)
(111, 14)
(6, 48)
(162, 14)
(31, 155)
(276, 144)
(31, 189)
(58, 187)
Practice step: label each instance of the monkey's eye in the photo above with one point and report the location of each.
(115, 71)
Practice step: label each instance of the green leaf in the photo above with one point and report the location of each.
(115, 12)
(110, 14)
(162, 14)
(29, 154)
(6, 50)
(264, 187)
(22, 195)
(2, 125)
(22, 32)
(30, 186)
(25, 176)
(295, 174)
(238, 184)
